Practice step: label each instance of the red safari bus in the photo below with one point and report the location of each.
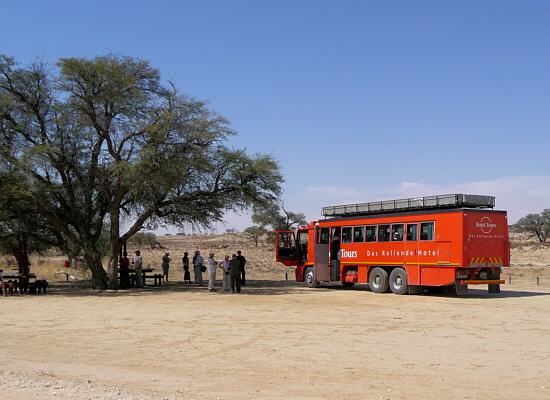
(403, 246)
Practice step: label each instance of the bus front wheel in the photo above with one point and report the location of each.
(309, 278)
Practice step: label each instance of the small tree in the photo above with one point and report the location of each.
(144, 238)
(535, 225)
(255, 232)
(276, 217)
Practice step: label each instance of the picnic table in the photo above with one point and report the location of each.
(157, 278)
(20, 281)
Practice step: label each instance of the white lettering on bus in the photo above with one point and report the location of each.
(403, 253)
(486, 225)
(348, 253)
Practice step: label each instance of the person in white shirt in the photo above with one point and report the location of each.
(225, 266)
(212, 266)
(138, 266)
(198, 262)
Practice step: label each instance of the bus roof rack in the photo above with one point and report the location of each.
(438, 202)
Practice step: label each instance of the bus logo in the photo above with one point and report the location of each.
(486, 225)
(348, 253)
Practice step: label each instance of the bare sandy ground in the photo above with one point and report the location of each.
(276, 340)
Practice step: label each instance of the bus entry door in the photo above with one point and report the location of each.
(321, 254)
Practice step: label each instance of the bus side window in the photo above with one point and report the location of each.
(412, 232)
(302, 242)
(346, 234)
(335, 243)
(383, 233)
(427, 231)
(370, 233)
(287, 245)
(397, 232)
(358, 234)
(322, 237)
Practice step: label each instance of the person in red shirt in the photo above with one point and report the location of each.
(125, 272)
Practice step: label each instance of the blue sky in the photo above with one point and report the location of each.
(358, 100)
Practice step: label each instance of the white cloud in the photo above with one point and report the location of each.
(518, 195)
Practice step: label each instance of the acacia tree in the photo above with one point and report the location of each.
(103, 139)
(535, 225)
(276, 217)
(255, 232)
(148, 238)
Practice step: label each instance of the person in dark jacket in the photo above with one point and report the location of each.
(235, 274)
(166, 265)
(242, 262)
(186, 273)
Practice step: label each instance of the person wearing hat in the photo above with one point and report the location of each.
(166, 265)
(212, 266)
(197, 267)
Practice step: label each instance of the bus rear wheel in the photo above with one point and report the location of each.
(309, 278)
(398, 281)
(378, 280)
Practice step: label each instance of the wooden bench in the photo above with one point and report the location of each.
(157, 279)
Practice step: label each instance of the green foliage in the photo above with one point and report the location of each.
(21, 234)
(102, 139)
(535, 225)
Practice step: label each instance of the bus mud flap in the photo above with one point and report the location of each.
(414, 289)
(494, 288)
(461, 290)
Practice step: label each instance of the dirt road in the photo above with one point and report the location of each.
(276, 340)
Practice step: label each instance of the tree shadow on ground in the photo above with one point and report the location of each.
(253, 287)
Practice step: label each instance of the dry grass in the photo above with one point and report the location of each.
(530, 259)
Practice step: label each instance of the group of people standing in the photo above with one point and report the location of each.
(233, 270)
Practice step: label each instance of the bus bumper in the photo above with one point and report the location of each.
(481, 282)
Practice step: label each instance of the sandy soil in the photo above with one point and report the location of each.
(277, 339)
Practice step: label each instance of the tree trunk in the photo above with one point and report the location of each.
(21, 254)
(114, 248)
(99, 276)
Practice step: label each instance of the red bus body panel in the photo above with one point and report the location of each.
(485, 239)
(465, 242)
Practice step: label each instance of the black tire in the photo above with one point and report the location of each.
(348, 285)
(309, 278)
(378, 280)
(398, 281)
